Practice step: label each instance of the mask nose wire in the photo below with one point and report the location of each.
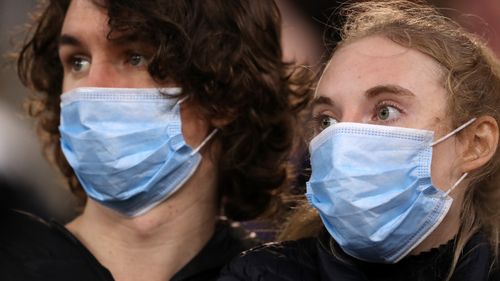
(453, 132)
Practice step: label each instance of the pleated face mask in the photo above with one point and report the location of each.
(372, 187)
(126, 145)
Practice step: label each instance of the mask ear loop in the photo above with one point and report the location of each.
(207, 139)
(204, 142)
(454, 132)
(456, 184)
(445, 138)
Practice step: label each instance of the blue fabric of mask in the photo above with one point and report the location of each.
(126, 145)
(372, 187)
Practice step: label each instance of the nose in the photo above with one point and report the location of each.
(354, 116)
(106, 74)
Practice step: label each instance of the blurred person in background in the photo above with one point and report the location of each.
(305, 40)
(481, 17)
(310, 30)
(405, 160)
(302, 31)
(162, 115)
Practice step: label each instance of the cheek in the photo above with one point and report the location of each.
(443, 168)
(65, 86)
(194, 128)
(140, 79)
(69, 84)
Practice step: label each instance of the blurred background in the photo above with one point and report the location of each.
(27, 180)
(25, 174)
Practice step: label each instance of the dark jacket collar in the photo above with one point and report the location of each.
(474, 264)
(227, 242)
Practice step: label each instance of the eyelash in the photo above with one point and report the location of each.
(318, 118)
(391, 104)
(317, 121)
(73, 58)
(145, 55)
(69, 61)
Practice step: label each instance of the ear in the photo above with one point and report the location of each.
(221, 122)
(481, 142)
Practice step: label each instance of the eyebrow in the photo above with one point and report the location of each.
(321, 100)
(370, 93)
(68, 40)
(390, 88)
(128, 37)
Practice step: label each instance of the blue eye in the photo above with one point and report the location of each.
(137, 60)
(387, 112)
(79, 64)
(326, 121)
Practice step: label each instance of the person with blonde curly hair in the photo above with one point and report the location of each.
(405, 165)
(164, 116)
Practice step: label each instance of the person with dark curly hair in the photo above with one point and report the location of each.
(163, 115)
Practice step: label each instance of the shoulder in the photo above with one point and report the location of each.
(237, 234)
(477, 261)
(290, 260)
(33, 249)
(22, 231)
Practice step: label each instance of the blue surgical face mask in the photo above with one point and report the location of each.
(372, 187)
(126, 145)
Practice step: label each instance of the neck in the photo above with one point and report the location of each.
(153, 246)
(444, 232)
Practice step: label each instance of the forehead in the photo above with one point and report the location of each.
(83, 16)
(376, 60)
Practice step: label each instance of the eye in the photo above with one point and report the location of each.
(137, 60)
(388, 112)
(79, 64)
(326, 121)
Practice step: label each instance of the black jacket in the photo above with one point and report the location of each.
(313, 259)
(36, 250)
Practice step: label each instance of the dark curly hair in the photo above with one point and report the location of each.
(227, 57)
